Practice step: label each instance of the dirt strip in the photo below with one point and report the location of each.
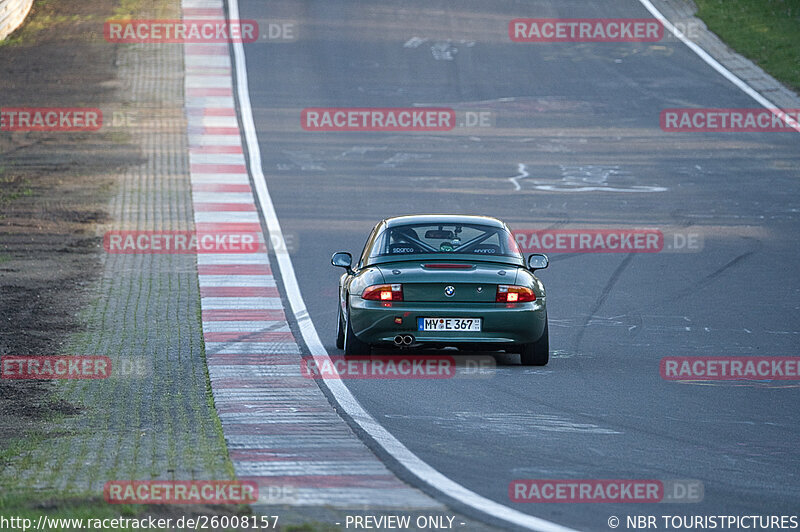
(54, 189)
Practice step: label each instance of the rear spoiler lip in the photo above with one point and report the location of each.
(426, 258)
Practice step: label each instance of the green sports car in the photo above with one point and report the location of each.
(443, 280)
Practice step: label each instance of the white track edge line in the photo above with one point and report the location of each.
(350, 404)
(716, 65)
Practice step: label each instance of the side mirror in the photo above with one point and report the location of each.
(537, 261)
(343, 259)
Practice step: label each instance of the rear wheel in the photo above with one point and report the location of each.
(339, 330)
(352, 345)
(537, 353)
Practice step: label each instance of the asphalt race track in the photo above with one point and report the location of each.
(574, 141)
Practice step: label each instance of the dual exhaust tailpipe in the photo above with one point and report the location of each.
(403, 340)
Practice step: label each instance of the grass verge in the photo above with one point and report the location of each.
(765, 31)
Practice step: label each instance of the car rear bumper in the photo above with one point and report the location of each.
(502, 324)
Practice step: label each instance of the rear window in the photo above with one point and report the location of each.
(467, 239)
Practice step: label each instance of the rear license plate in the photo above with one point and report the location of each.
(449, 324)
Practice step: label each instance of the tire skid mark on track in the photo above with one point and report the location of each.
(602, 297)
(697, 285)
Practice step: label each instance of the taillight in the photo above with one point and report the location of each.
(448, 266)
(383, 292)
(509, 293)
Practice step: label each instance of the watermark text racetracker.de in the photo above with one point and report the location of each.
(180, 492)
(607, 240)
(378, 119)
(605, 491)
(181, 31)
(209, 31)
(726, 368)
(722, 120)
(198, 241)
(68, 119)
(393, 119)
(55, 367)
(554, 30)
(178, 242)
(397, 367)
(585, 30)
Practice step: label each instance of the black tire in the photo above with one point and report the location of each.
(339, 330)
(537, 353)
(352, 345)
